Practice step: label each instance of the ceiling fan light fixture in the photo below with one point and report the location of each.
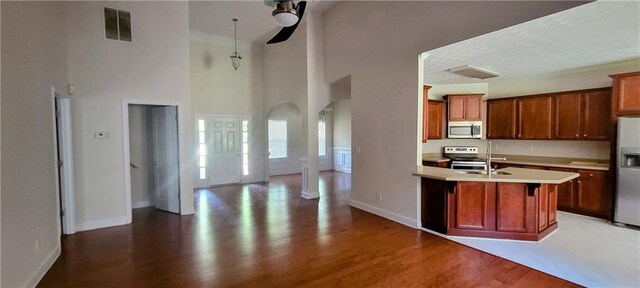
(285, 14)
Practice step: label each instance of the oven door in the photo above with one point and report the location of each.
(467, 166)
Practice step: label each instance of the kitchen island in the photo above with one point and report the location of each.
(511, 203)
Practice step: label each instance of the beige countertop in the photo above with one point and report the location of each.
(515, 175)
(571, 163)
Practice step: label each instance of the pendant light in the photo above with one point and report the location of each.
(235, 57)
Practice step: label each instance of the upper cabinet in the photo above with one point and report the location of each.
(571, 115)
(535, 117)
(464, 107)
(501, 118)
(433, 114)
(583, 114)
(626, 93)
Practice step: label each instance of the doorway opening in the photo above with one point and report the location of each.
(64, 157)
(153, 166)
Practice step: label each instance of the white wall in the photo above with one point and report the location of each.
(295, 142)
(384, 82)
(141, 155)
(152, 68)
(342, 123)
(575, 79)
(218, 89)
(34, 58)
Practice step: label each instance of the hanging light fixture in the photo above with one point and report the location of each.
(235, 57)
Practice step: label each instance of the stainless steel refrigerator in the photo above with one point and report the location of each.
(627, 208)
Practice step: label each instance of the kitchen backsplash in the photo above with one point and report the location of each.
(568, 149)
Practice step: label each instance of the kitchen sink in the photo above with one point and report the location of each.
(469, 172)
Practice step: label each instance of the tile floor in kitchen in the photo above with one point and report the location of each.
(584, 250)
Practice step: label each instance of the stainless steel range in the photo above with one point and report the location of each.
(465, 157)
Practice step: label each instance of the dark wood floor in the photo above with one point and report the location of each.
(265, 235)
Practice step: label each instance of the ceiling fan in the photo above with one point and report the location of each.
(288, 15)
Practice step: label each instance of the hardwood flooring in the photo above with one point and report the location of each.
(266, 235)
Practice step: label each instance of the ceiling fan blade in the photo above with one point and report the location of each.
(270, 3)
(286, 32)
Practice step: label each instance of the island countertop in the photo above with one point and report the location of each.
(514, 175)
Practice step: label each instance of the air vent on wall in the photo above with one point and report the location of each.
(473, 72)
(117, 24)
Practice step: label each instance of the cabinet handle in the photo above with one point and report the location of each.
(577, 135)
(591, 174)
(584, 135)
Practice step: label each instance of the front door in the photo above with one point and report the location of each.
(225, 156)
(165, 163)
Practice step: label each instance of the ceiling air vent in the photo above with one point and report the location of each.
(473, 72)
(117, 24)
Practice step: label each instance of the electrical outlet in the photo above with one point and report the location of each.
(358, 150)
(379, 196)
(496, 147)
(37, 245)
(530, 148)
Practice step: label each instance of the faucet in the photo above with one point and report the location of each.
(489, 158)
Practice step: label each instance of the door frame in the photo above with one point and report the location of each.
(196, 117)
(64, 197)
(127, 150)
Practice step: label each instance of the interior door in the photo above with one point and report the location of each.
(225, 157)
(165, 153)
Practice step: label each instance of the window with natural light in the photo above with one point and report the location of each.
(322, 138)
(202, 150)
(245, 147)
(277, 130)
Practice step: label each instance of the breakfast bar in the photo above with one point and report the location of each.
(509, 203)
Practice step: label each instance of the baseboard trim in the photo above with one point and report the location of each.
(44, 267)
(308, 195)
(141, 204)
(104, 223)
(342, 169)
(384, 213)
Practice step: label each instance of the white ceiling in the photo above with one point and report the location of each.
(255, 23)
(588, 35)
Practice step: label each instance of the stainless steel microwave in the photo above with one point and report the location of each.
(464, 129)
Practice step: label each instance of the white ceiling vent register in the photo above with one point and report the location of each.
(473, 72)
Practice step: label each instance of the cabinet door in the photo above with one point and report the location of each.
(546, 206)
(472, 201)
(565, 191)
(435, 115)
(568, 114)
(434, 205)
(594, 195)
(516, 210)
(425, 112)
(501, 117)
(597, 115)
(626, 90)
(456, 108)
(535, 117)
(473, 106)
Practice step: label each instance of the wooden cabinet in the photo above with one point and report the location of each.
(435, 117)
(515, 211)
(441, 164)
(593, 193)
(571, 115)
(583, 115)
(535, 117)
(433, 212)
(473, 201)
(568, 115)
(626, 93)
(464, 107)
(432, 117)
(596, 111)
(501, 119)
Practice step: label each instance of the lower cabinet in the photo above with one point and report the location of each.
(487, 209)
(591, 194)
(441, 164)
